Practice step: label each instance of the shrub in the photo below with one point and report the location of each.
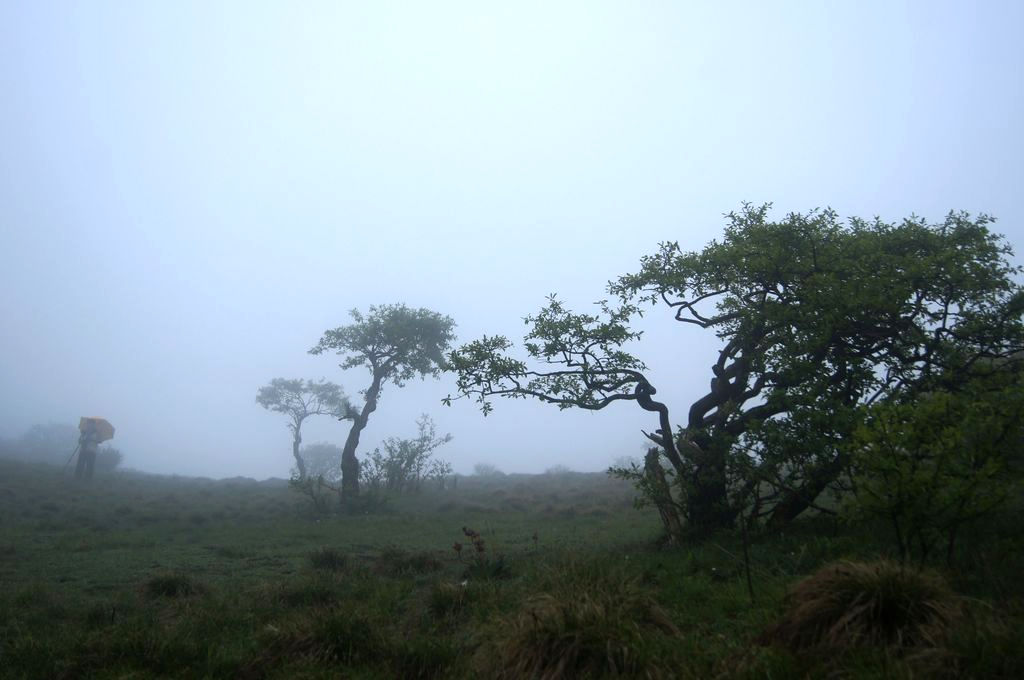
(852, 604)
(487, 470)
(406, 463)
(108, 459)
(932, 465)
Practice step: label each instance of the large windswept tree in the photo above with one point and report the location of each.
(299, 399)
(394, 343)
(816, 317)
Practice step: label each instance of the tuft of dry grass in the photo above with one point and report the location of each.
(858, 604)
(582, 628)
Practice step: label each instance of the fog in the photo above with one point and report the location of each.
(190, 194)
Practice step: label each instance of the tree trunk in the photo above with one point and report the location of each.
(299, 463)
(349, 462)
(707, 504)
(661, 494)
(795, 501)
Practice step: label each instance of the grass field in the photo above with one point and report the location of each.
(136, 576)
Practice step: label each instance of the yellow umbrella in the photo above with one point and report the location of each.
(104, 430)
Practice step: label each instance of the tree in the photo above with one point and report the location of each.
(405, 463)
(299, 399)
(816, 319)
(395, 343)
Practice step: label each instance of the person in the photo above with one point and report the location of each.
(88, 442)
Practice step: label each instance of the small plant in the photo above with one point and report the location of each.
(481, 564)
(328, 559)
(853, 604)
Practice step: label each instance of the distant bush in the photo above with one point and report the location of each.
(53, 444)
(487, 470)
(321, 460)
(108, 459)
(558, 471)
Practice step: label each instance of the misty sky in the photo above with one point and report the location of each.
(192, 192)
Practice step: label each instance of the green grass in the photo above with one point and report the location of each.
(143, 577)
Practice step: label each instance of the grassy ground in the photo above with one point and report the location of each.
(134, 576)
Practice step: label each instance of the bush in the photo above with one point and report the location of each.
(487, 470)
(406, 463)
(108, 459)
(853, 604)
(932, 465)
(322, 460)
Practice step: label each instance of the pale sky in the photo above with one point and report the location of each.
(192, 192)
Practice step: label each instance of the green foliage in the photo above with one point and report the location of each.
(406, 463)
(937, 462)
(396, 340)
(300, 399)
(595, 369)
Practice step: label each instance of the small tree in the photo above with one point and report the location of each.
(299, 399)
(405, 463)
(930, 465)
(395, 343)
